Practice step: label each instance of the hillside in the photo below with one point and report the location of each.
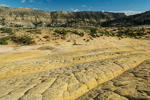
(138, 19)
(30, 17)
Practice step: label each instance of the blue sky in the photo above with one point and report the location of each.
(128, 6)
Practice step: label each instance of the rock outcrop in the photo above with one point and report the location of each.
(30, 17)
(67, 75)
(138, 19)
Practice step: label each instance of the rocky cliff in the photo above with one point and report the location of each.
(31, 17)
(138, 19)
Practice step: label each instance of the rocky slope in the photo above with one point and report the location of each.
(30, 17)
(138, 19)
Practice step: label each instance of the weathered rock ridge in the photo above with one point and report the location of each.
(138, 19)
(30, 17)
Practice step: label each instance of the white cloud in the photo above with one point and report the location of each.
(31, 0)
(40, 2)
(49, 1)
(35, 8)
(83, 5)
(129, 12)
(4, 5)
(90, 8)
(23, 1)
(75, 10)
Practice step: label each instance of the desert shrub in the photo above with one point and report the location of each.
(143, 29)
(140, 33)
(54, 33)
(31, 31)
(114, 29)
(81, 34)
(3, 41)
(58, 31)
(93, 30)
(22, 39)
(106, 33)
(16, 25)
(97, 35)
(36, 31)
(120, 34)
(93, 35)
(75, 32)
(87, 40)
(64, 32)
(46, 37)
(6, 30)
(113, 34)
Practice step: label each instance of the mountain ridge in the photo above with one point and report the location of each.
(32, 17)
(132, 20)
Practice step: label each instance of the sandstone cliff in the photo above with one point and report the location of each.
(138, 19)
(30, 17)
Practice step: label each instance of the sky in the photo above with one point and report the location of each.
(129, 7)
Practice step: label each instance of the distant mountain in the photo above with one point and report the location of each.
(31, 17)
(138, 19)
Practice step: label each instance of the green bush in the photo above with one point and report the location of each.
(120, 34)
(87, 40)
(6, 30)
(31, 31)
(3, 41)
(113, 34)
(46, 37)
(18, 25)
(93, 35)
(106, 33)
(93, 30)
(36, 31)
(64, 32)
(22, 39)
(81, 34)
(97, 35)
(140, 33)
(58, 31)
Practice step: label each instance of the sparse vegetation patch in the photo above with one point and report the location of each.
(3, 41)
(26, 40)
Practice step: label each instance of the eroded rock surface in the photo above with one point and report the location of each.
(68, 82)
(133, 84)
(32, 74)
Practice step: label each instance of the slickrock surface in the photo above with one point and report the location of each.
(133, 84)
(68, 72)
